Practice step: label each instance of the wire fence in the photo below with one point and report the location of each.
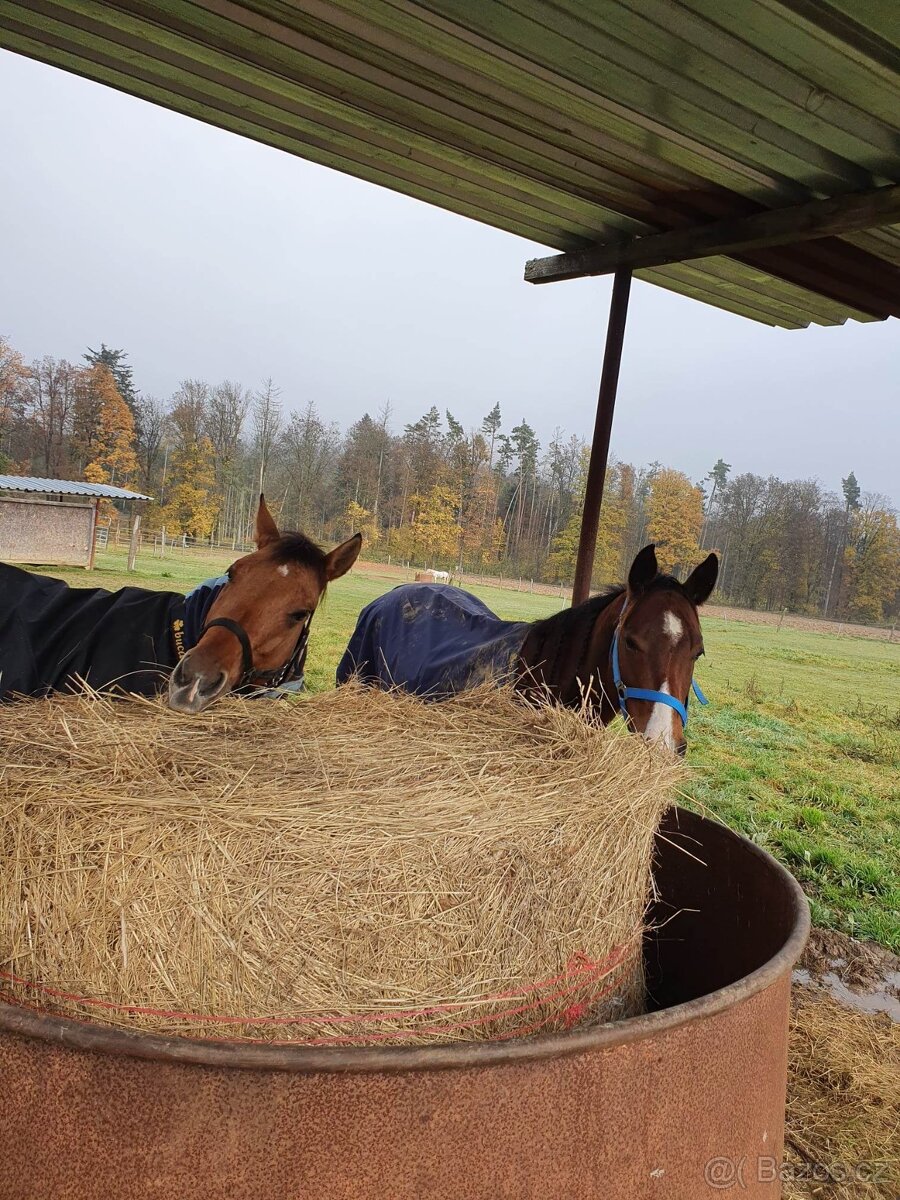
(161, 545)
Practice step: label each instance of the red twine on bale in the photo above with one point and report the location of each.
(580, 969)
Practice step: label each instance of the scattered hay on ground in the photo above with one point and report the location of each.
(843, 1112)
(313, 871)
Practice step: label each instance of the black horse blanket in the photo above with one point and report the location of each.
(51, 634)
(432, 640)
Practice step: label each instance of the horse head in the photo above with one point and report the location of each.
(256, 630)
(655, 645)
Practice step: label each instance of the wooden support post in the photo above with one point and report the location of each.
(95, 516)
(135, 540)
(606, 402)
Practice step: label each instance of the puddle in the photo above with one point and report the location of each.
(882, 997)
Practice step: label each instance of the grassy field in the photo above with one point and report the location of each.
(799, 748)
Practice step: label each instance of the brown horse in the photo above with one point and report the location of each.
(247, 630)
(631, 650)
(255, 632)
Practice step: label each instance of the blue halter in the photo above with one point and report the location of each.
(630, 693)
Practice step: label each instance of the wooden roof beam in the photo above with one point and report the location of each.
(774, 227)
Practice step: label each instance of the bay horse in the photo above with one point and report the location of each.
(246, 631)
(629, 651)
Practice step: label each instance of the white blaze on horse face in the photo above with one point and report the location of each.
(661, 726)
(284, 569)
(673, 627)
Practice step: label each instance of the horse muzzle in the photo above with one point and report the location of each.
(192, 690)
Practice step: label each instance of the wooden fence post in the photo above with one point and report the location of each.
(135, 540)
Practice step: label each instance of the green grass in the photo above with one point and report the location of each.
(799, 748)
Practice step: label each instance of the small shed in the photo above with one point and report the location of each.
(54, 521)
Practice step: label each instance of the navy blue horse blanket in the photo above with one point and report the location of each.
(431, 640)
(53, 635)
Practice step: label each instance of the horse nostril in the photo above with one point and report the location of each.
(681, 749)
(216, 685)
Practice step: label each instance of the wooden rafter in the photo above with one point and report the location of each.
(776, 227)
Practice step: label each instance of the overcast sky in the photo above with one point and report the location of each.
(209, 256)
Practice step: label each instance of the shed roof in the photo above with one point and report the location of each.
(67, 487)
(568, 123)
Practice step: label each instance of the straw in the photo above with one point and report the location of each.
(350, 867)
(842, 1136)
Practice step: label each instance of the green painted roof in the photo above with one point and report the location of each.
(566, 122)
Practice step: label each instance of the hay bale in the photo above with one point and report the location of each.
(355, 867)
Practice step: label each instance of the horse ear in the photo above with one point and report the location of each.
(339, 560)
(266, 529)
(644, 569)
(701, 581)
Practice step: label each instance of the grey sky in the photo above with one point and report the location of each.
(206, 255)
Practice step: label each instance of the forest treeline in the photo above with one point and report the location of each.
(488, 499)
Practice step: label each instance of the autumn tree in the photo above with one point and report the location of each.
(225, 412)
(611, 532)
(433, 535)
(191, 505)
(266, 427)
(310, 446)
(560, 565)
(674, 518)
(365, 463)
(48, 398)
(12, 378)
(872, 559)
(150, 429)
(360, 520)
(103, 429)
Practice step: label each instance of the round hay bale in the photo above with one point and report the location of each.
(354, 867)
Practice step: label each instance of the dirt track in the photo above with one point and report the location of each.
(795, 621)
(724, 613)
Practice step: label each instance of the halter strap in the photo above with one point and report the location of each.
(630, 693)
(241, 634)
(249, 676)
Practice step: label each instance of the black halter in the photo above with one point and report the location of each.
(266, 679)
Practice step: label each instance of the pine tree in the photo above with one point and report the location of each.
(490, 427)
(851, 492)
(116, 362)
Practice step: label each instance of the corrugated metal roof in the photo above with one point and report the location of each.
(567, 122)
(67, 487)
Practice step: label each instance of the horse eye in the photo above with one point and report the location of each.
(300, 615)
(631, 644)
